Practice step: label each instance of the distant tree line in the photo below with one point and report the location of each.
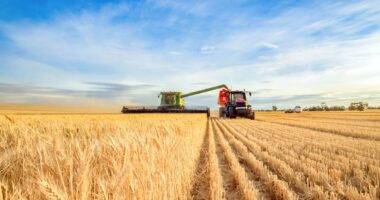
(373, 107)
(360, 106)
(326, 108)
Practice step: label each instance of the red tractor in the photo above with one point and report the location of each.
(234, 103)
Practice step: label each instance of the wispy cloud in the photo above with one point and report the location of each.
(98, 90)
(270, 46)
(290, 50)
(207, 49)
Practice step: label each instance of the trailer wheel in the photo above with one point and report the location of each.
(231, 112)
(222, 112)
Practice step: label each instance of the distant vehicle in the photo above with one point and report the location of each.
(296, 109)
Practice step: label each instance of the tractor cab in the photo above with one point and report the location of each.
(238, 98)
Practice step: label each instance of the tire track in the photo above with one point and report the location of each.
(235, 181)
(271, 186)
(201, 186)
(314, 175)
(216, 179)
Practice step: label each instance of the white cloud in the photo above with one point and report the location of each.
(270, 46)
(207, 49)
(174, 53)
(319, 51)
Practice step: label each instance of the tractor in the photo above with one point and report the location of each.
(234, 103)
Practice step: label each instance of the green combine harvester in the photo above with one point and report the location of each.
(173, 102)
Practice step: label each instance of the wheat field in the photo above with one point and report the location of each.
(312, 155)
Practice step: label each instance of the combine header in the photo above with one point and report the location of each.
(173, 102)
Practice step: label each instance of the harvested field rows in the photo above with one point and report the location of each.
(263, 160)
(352, 124)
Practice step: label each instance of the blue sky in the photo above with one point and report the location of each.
(124, 52)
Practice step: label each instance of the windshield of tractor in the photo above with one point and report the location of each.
(238, 97)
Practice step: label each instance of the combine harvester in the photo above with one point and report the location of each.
(233, 103)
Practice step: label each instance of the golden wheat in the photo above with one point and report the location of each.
(99, 156)
(312, 155)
